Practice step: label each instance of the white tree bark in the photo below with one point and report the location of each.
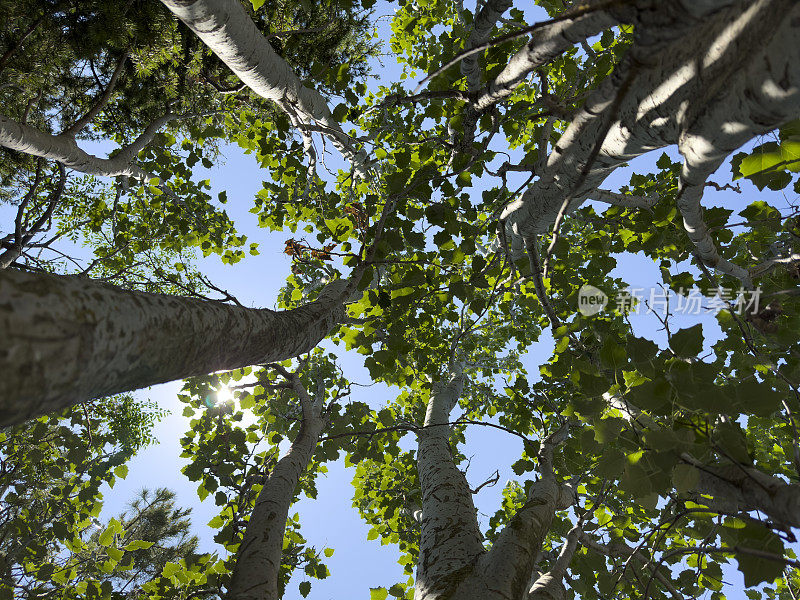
(732, 487)
(505, 571)
(485, 21)
(545, 45)
(68, 339)
(450, 539)
(618, 549)
(257, 572)
(550, 585)
(737, 488)
(706, 78)
(64, 149)
(453, 563)
(228, 31)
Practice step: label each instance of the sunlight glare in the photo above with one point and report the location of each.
(224, 394)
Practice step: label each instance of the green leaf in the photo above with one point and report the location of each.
(107, 537)
(759, 541)
(731, 440)
(340, 112)
(687, 343)
(613, 355)
(758, 398)
(378, 593)
(170, 569)
(304, 587)
(138, 545)
(607, 430)
(328, 552)
(114, 553)
(121, 471)
(685, 477)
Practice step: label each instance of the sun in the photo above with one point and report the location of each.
(225, 394)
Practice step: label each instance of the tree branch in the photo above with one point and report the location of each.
(22, 237)
(256, 574)
(450, 539)
(105, 96)
(228, 31)
(482, 27)
(63, 149)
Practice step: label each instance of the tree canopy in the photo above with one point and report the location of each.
(446, 223)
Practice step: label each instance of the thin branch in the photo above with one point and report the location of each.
(8, 54)
(581, 10)
(21, 238)
(102, 100)
(538, 284)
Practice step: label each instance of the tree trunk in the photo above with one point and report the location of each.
(257, 571)
(63, 149)
(450, 539)
(68, 339)
(738, 488)
(707, 82)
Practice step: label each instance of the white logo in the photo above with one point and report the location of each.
(591, 300)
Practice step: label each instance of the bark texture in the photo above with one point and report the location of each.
(68, 339)
(64, 149)
(550, 585)
(226, 29)
(506, 570)
(545, 44)
(485, 21)
(736, 488)
(453, 563)
(450, 539)
(257, 572)
(707, 77)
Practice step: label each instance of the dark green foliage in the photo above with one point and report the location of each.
(51, 473)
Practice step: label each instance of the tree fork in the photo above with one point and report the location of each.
(450, 539)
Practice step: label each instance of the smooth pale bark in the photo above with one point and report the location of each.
(550, 585)
(230, 33)
(617, 550)
(736, 488)
(730, 487)
(706, 79)
(64, 149)
(545, 45)
(258, 563)
(69, 339)
(453, 563)
(505, 571)
(485, 21)
(450, 539)
(626, 200)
